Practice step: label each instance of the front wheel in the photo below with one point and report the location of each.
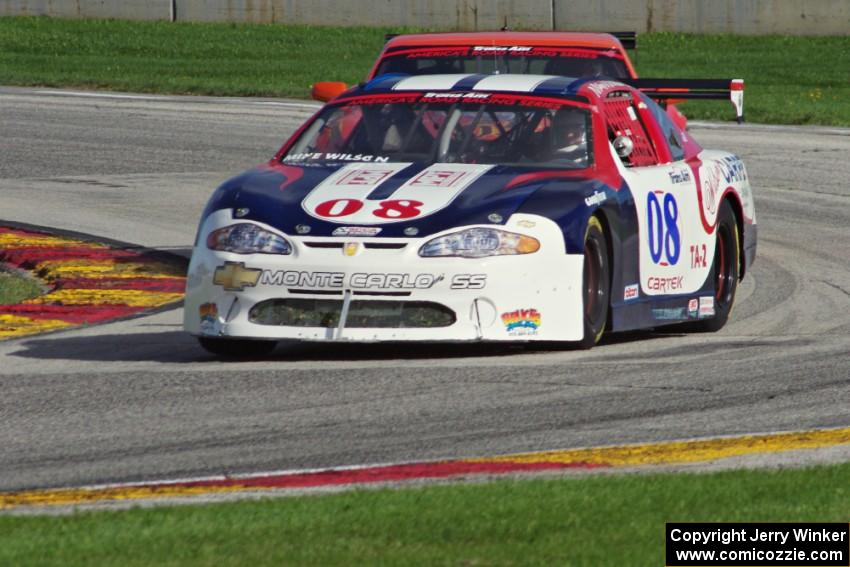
(596, 283)
(725, 270)
(236, 348)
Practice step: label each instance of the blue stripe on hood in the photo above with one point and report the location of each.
(274, 196)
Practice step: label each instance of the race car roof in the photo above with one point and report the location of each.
(548, 85)
(549, 39)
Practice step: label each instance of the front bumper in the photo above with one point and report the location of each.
(529, 297)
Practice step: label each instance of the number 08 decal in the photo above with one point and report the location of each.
(392, 209)
(662, 229)
(350, 195)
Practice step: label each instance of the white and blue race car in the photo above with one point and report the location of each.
(476, 208)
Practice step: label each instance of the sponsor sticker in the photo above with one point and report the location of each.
(718, 175)
(597, 198)
(706, 307)
(631, 293)
(680, 175)
(693, 307)
(471, 96)
(498, 49)
(521, 322)
(357, 231)
(734, 169)
(330, 156)
(208, 313)
(669, 314)
(711, 187)
(438, 52)
(665, 285)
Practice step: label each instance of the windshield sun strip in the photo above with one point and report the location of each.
(507, 98)
(526, 117)
(542, 51)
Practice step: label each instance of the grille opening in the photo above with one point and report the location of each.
(370, 245)
(314, 291)
(385, 245)
(384, 293)
(362, 314)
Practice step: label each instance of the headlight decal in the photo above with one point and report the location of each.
(247, 238)
(479, 242)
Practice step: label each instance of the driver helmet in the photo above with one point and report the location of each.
(570, 129)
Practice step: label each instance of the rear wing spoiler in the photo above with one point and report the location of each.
(666, 90)
(627, 38)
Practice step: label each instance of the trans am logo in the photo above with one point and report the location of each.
(522, 321)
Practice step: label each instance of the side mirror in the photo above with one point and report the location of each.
(327, 90)
(624, 146)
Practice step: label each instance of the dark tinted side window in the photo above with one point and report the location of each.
(671, 132)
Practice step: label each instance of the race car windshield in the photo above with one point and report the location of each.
(565, 62)
(541, 132)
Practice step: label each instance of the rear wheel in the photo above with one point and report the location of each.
(596, 283)
(725, 270)
(236, 348)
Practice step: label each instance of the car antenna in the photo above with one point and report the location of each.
(504, 28)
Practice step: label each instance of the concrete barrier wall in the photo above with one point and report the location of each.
(796, 17)
(440, 14)
(119, 9)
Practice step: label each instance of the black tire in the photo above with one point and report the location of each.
(236, 348)
(725, 270)
(596, 283)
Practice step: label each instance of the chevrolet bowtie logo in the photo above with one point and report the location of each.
(351, 248)
(234, 276)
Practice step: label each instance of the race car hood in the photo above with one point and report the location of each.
(393, 199)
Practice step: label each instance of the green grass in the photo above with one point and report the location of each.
(185, 58)
(790, 80)
(599, 520)
(15, 287)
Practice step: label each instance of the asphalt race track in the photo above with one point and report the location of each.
(138, 400)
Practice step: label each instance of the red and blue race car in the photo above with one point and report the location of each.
(472, 207)
(569, 54)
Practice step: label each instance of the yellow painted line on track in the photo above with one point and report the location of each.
(676, 452)
(73, 496)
